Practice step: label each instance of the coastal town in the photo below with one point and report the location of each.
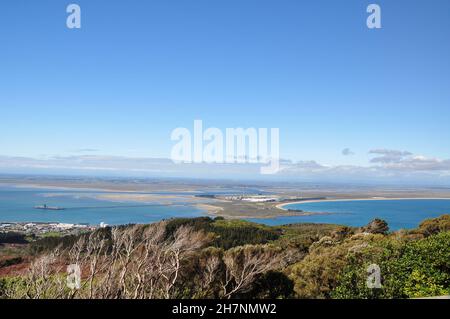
(40, 229)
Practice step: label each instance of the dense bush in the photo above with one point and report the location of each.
(11, 286)
(317, 274)
(240, 259)
(336, 265)
(228, 233)
(376, 226)
(12, 238)
(10, 261)
(433, 226)
(271, 285)
(49, 243)
(409, 269)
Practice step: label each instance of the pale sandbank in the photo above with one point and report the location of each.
(283, 205)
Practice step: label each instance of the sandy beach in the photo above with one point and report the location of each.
(283, 205)
(209, 209)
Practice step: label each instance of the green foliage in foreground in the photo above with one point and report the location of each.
(228, 233)
(319, 261)
(10, 286)
(408, 269)
(413, 264)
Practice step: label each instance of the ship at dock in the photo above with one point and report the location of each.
(45, 207)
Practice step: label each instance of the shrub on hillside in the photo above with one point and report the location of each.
(409, 269)
(433, 226)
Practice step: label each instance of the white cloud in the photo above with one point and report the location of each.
(388, 156)
(391, 164)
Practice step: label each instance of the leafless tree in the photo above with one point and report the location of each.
(145, 261)
(209, 271)
(42, 280)
(245, 263)
(140, 262)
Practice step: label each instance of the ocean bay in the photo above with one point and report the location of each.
(399, 213)
(87, 206)
(81, 206)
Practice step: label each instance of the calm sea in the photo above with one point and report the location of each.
(398, 213)
(17, 205)
(81, 206)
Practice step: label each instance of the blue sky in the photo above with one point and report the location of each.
(138, 69)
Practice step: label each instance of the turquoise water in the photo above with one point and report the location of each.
(16, 205)
(398, 213)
